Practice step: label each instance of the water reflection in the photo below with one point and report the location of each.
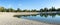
(50, 18)
(41, 15)
(46, 15)
(24, 15)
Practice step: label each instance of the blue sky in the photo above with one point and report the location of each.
(10, 3)
(30, 4)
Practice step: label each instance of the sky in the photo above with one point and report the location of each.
(30, 4)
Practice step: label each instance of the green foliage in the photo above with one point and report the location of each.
(58, 9)
(34, 10)
(52, 9)
(9, 10)
(45, 9)
(2, 9)
(26, 10)
(41, 10)
(18, 10)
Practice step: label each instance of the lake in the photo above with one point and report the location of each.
(46, 18)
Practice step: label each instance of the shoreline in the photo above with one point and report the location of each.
(8, 19)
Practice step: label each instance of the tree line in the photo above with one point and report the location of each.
(2, 9)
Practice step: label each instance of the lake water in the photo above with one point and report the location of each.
(46, 18)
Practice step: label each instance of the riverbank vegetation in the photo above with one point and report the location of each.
(2, 9)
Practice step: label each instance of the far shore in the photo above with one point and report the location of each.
(19, 13)
(28, 13)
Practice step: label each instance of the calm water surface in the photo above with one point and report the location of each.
(46, 18)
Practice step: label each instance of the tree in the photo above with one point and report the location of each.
(58, 9)
(34, 10)
(41, 10)
(25, 10)
(18, 10)
(2, 9)
(10, 10)
(52, 9)
(45, 9)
